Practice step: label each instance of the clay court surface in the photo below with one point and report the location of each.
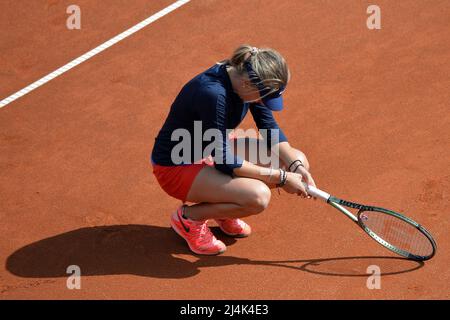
(370, 108)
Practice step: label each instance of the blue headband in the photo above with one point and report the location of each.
(274, 100)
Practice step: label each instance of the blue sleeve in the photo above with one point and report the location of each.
(212, 108)
(264, 120)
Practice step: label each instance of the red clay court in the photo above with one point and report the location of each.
(370, 108)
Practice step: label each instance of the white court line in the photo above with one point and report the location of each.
(93, 52)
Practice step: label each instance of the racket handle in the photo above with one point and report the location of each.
(317, 193)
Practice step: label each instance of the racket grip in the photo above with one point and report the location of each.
(317, 193)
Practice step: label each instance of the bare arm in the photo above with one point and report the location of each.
(288, 155)
(254, 171)
(273, 176)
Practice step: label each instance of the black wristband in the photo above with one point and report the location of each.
(301, 164)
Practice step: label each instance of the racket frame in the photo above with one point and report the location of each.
(339, 205)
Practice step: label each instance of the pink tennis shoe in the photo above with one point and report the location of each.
(197, 234)
(234, 227)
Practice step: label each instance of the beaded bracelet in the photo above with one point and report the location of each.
(283, 178)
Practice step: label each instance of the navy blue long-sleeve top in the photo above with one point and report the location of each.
(209, 98)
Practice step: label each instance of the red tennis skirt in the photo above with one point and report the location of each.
(176, 181)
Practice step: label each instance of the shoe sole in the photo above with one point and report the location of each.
(174, 227)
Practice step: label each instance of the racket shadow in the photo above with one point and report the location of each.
(356, 266)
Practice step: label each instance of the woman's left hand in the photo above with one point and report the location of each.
(307, 177)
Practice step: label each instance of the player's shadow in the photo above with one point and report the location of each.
(152, 251)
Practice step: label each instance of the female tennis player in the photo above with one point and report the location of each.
(224, 185)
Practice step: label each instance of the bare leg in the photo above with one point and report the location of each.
(220, 196)
(203, 211)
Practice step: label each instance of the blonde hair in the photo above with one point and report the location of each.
(267, 63)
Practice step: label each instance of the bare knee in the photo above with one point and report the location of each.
(257, 199)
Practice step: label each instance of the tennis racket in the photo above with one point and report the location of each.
(392, 230)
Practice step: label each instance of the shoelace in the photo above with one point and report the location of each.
(204, 233)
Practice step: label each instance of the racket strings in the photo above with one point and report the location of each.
(398, 233)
